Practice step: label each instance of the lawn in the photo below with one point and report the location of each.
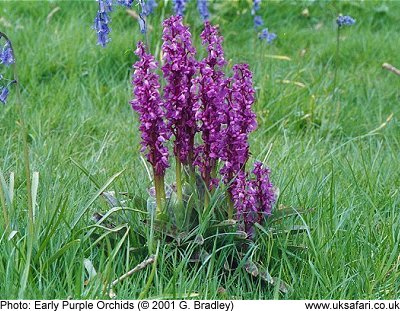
(333, 155)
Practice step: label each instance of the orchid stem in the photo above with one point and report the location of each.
(206, 200)
(230, 205)
(180, 214)
(160, 192)
(191, 179)
(178, 171)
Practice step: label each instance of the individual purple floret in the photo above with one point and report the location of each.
(148, 104)
(209, 89)
(179, 6)
(202, 6)
(241, 121)
(179, 67)
(101, 22)
(6, 55)
(267, 36)
(4, 94)
(253, 198)
(345, 21)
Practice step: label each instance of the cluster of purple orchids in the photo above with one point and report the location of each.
(207, 115)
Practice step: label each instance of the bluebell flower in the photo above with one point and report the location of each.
(147, 6)
(150, 6)
(203, 9)
(105, 6)
(256, 6)
(101, 26)
(101, 22)
(142, 15)
(266, 35)
(142, 23)
(345, 21)
(4, 94)
(6, 55)
(258, 21)
(179, 6)
(125, 3)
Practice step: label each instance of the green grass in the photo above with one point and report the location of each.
(328, 154)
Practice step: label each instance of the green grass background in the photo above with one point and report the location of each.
(327, 154)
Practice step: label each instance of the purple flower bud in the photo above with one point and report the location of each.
(179, 68)
(147, 103)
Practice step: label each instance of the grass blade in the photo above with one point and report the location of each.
(98, 193)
